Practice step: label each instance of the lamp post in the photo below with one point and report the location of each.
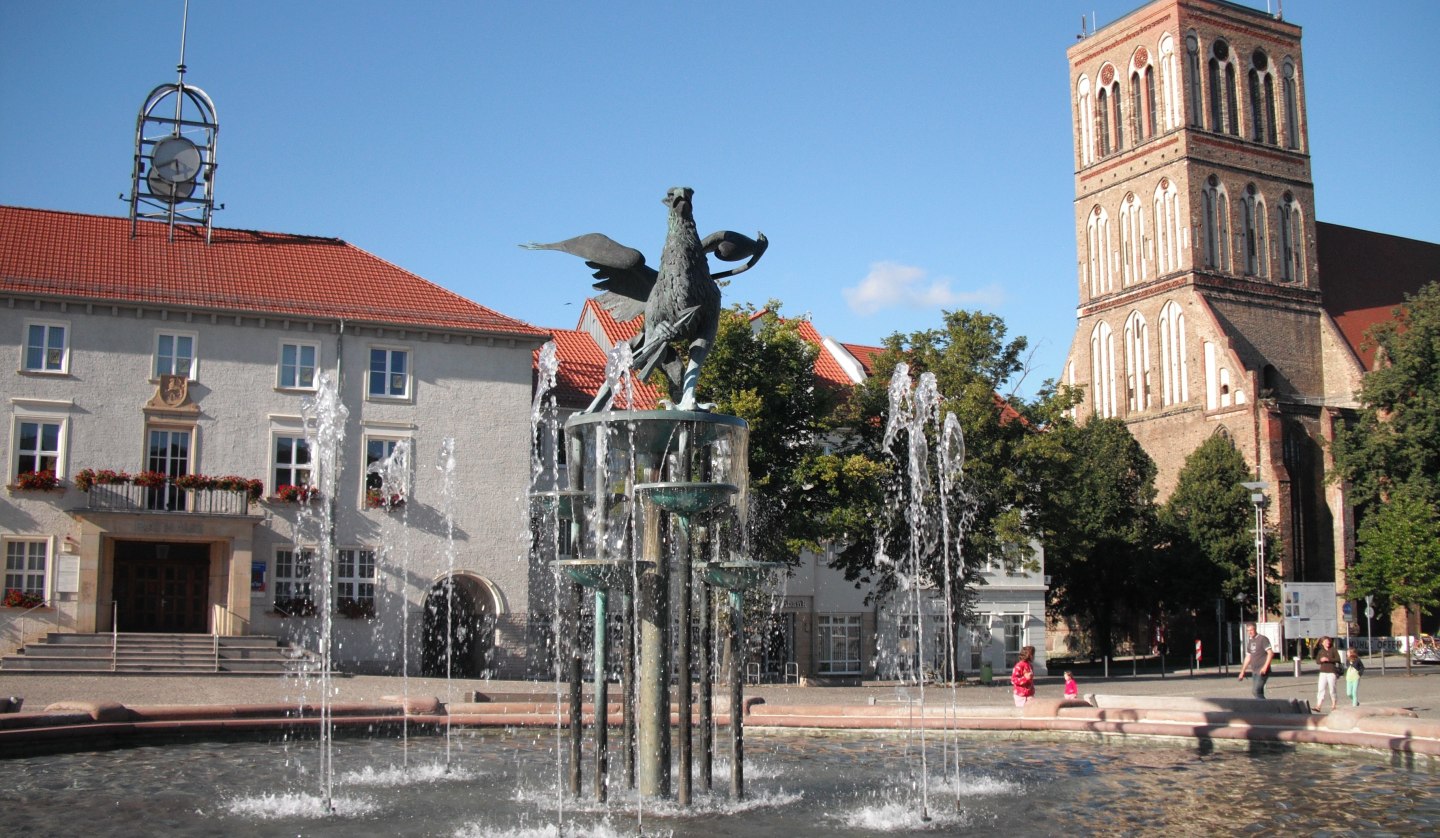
(1257, 497)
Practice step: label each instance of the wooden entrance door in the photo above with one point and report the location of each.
(162, 587)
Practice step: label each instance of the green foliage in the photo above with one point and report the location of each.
(1005, 464)
(1398, 553)
(1100, 531)
(1211, 524)
(1396, 441)
(761, 370)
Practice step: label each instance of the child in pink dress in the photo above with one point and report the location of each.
(1072, 689)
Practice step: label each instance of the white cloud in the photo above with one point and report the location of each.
(892, 285)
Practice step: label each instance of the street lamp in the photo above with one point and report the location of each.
(1257, 497)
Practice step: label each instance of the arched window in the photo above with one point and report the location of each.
(1292, 240)
(1132, 241)
(1215, 204)
(1262, 99)
(1224, 105)
(1102, 369)
(1253, 224)
(1149, 101)
(1085, 121)
(1174, 367)
(1195, 99)
(1167, 227)
(1137, 363)
(1292, 105)
(1102, 113)
(1169, 85)
(1119, 121)
(1097, 252)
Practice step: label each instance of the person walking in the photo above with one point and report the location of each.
(1327, 657)
(1258, 655)
(1353, 671)
(1022, 677)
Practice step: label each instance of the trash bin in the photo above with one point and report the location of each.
(987, 674)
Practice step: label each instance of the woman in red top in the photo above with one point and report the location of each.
(1022, 678)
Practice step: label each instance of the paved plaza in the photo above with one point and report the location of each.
(1418, 692)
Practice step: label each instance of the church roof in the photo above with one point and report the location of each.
(93, 258)
(1364, 275)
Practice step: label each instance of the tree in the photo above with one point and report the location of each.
(1004, 472)
(1211, 525)
(762, 370)
(1396, 440)
(1100, 531)
(1398, 554)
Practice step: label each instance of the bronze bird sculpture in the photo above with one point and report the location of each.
(680, 300)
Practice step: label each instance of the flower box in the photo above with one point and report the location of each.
(15, 598)
(296, 494)
(355, 609)
(295, 606)
(36, 481)
(375, 499)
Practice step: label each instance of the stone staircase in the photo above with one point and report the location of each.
(159, 654)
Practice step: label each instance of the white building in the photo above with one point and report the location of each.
(191, 359)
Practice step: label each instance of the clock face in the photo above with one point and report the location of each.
(174, 159)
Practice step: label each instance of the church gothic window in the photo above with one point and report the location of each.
(1174, 368)
(1262, 99)
(1102, 369)
(1132, 239)
(1193, 95)
(1224, 102)
(1292, 240)
(1137, 363)
(1086, 121)
(1167, 227)
(1253, 223)
(1097, 252)
(1169, 85)
(1216, 225)
(1292, 105)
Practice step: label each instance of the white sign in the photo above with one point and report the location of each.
(1309, 609)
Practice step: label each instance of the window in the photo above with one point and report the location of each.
(1137, 362)
(293, 569)
(297, 365)
(25, 563)
(174, 355)
(1150, 118)
(292, 461)
(46, 349)
(1262, 99)
(1194, 95)
(1132, 240)
(1119, 116)
(1169, 84)
(1167, 227)
(1252, 211)
(382, 463)
(1292, 240)
(1216, 207)
(1085, 121)
(1014, 637)
(355, 580)
(168, 453)
(389, 373)
(838, 641)
(37, 446)
(1102, 369)
(1174, 367)
(1097, 252)
(1292, 105)
(1103, 111)
(1224, 104)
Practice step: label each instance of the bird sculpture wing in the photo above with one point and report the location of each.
(730, 246)
(624, 277)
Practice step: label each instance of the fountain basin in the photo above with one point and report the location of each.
(609, 574)
(739, 575)
(686, 498)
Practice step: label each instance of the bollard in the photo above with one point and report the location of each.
(1297, 666)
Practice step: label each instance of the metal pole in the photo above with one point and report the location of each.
(707, 705)
(653, 688)
(627, 687)
(575, 679)
(600, 700)
(1260, 553)
(737, 701)
(686, 698)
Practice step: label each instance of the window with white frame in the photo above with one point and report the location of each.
(1137, 362)
(838, 644)
(37, 445)
(389, 373)
(1174, 367)
(1085, 121)
(174, 354)
(380, 457)
(26, 561)
(1167, 227)
(1097, 252)
(1169, 85)
(1102, 369)
(167, 452)
(1014, 625)
(1132, 241)
(355, 580)
(47, 348)
(291, 462)
(298, 363)
(294, 569)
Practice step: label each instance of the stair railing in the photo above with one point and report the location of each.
(114, 635)
(221, 611)
(23, 623)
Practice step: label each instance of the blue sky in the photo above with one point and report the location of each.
(902, 158)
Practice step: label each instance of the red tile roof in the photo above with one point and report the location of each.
(615, 331)
(93, 258)
(866, 355)
(1363, 275)
(827, 369)
(582, 372)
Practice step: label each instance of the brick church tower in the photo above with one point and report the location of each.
(1200, 299)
